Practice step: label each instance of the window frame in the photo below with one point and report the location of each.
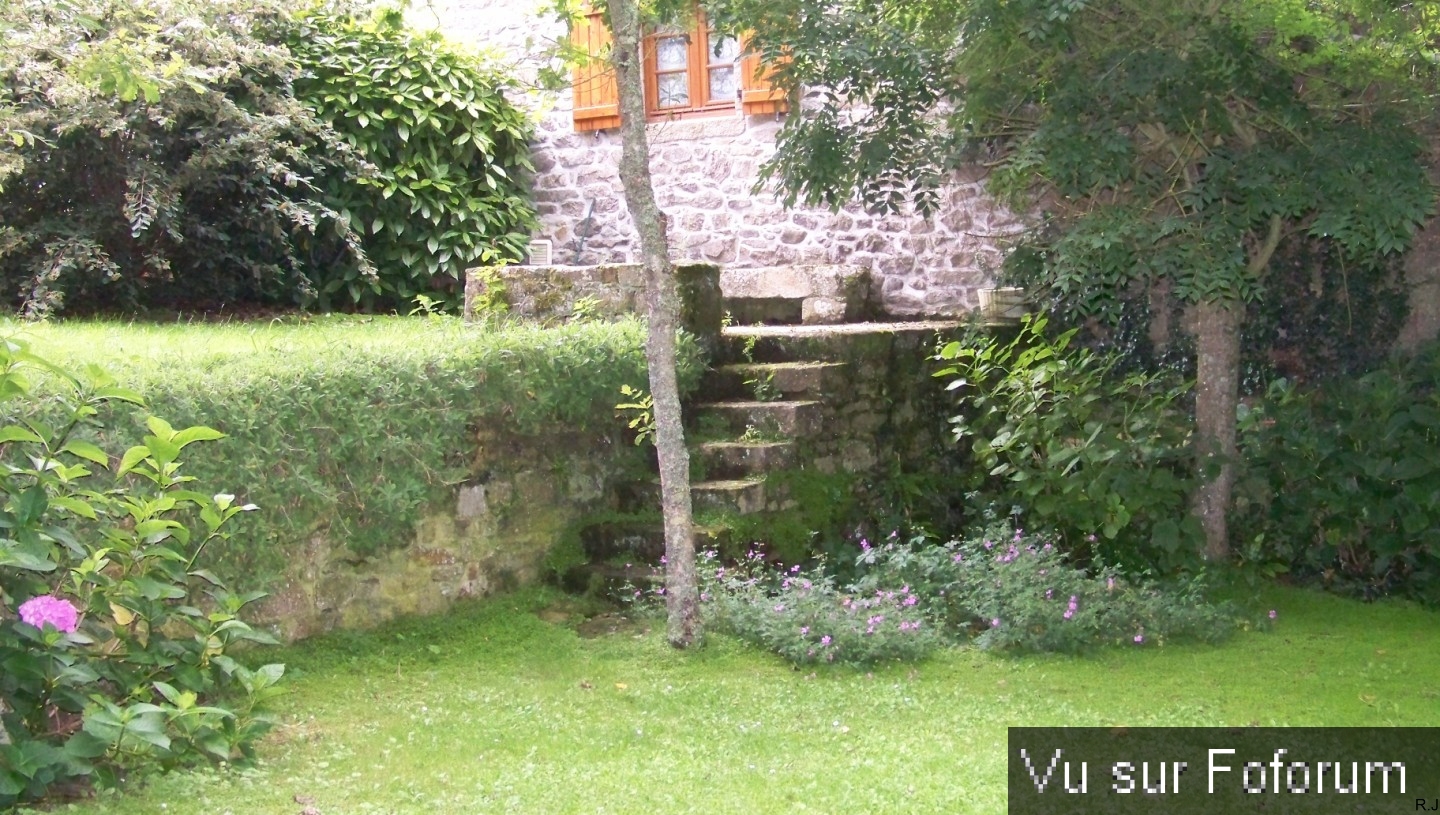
(700, 60)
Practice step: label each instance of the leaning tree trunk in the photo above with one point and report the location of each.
(1217, 387)
(682, 601)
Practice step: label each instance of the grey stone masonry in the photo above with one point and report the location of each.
(705, 172)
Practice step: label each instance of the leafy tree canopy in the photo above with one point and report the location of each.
(1168, 138)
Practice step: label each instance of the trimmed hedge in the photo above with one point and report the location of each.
(355, 424)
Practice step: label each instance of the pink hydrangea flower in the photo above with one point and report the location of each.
(46, 608)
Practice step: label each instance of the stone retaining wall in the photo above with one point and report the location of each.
(525, 494)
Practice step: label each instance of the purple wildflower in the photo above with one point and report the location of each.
(825, 640)
(1273, 614)
(1139, 638)
(995, 623)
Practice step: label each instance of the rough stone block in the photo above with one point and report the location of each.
(471, 503)
(822, 310)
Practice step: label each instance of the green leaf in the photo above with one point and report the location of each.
(12, 432)
(74, 505)
(197, 433)
(164, 450)
(160, 427)
(87, 451)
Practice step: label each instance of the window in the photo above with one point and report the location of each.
(691, 72)
(694, 72)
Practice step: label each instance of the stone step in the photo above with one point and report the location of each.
(619, 573)
(774, 420)
(765, 310)
(741, 496)
(828, 343)
(640, 540)
(731, 459)
(742, 379)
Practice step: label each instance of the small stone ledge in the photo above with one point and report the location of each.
(828, 293)
(694, 129)
(607, 291)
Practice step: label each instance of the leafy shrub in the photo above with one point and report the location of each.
(157, 157)
(1343, 483)
(1103, 458)
(802, 615)
(449, 154)
(118, 658)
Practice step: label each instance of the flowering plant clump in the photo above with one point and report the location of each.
(1004, 588)
(50, 610)
(1016, 590)
(117, 659)
(801, 614)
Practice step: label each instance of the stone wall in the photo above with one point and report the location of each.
(525, 494)
(705, 170)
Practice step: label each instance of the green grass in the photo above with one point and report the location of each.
(494, 709)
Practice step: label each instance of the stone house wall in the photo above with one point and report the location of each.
(705, 170)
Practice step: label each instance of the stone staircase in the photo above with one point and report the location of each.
(778, 399)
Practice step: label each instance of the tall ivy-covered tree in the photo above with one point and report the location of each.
(1166, 147)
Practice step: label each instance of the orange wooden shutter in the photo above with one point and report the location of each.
(757, 95)
(597, 101)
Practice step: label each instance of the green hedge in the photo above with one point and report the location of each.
(353, 424)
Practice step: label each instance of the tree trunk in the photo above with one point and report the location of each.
(682, 600)
(1217, 387)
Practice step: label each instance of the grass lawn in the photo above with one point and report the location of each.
(503, 707)
(137, 346)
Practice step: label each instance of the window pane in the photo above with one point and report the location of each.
(672, 53)
(674, 90)
(722, 83)
(723, 49)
